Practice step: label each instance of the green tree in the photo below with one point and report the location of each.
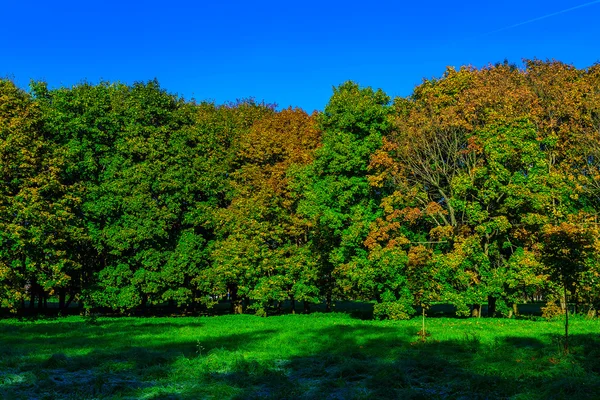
(145, 203)
(81, 127)
(337, 195)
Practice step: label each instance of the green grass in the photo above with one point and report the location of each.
(317, 356)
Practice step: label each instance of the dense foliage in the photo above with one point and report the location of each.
(481, 187)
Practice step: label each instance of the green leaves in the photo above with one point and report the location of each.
(471, 188)
(337, 196)
(355, 110)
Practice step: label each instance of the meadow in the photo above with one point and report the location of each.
(314, 356)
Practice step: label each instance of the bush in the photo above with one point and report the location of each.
(552, 311)
(395, 310)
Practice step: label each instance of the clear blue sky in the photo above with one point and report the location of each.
(289, 53)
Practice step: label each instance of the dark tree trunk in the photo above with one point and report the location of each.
(293, 304)
(491, 311)
(62, 297)
(566, 321)
(32, 296)
(40, 298)
(236, 303)
(328, 304)
(71, 297)
(306, 306)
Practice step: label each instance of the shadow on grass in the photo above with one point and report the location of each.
(107, 359)
(379, 368)
(523, 342)
(341, 360)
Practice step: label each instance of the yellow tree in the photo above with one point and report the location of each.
(263, 247)
(35, 212)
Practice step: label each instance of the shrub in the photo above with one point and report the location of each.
(395, 310)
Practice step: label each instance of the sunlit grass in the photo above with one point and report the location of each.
(296, 356)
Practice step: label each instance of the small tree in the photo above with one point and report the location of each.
(568, 249)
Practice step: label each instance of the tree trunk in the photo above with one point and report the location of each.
(237, 306)
(423, 331)
(306, 305)
(491, 311)
(62, 297)
(293, 304)
(566, 321)
(71, 297)
(31, 297)
(563, 303)
(515, 307)
(328, 302)
(591, 313)
(476, 310)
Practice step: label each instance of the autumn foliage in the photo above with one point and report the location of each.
(483, 186)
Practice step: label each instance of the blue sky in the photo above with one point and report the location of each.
(289, 53)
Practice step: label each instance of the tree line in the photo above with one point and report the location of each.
(480, 187)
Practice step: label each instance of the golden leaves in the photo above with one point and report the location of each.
(441, 232)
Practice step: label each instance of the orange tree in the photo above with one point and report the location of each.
(476, 164)
(262, 251)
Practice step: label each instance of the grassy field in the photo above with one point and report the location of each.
(317, 356)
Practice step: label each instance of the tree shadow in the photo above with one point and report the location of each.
(379, 368)
(104, 360)
(523, 342)
(344, 360)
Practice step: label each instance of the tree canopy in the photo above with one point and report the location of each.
(482, 186)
